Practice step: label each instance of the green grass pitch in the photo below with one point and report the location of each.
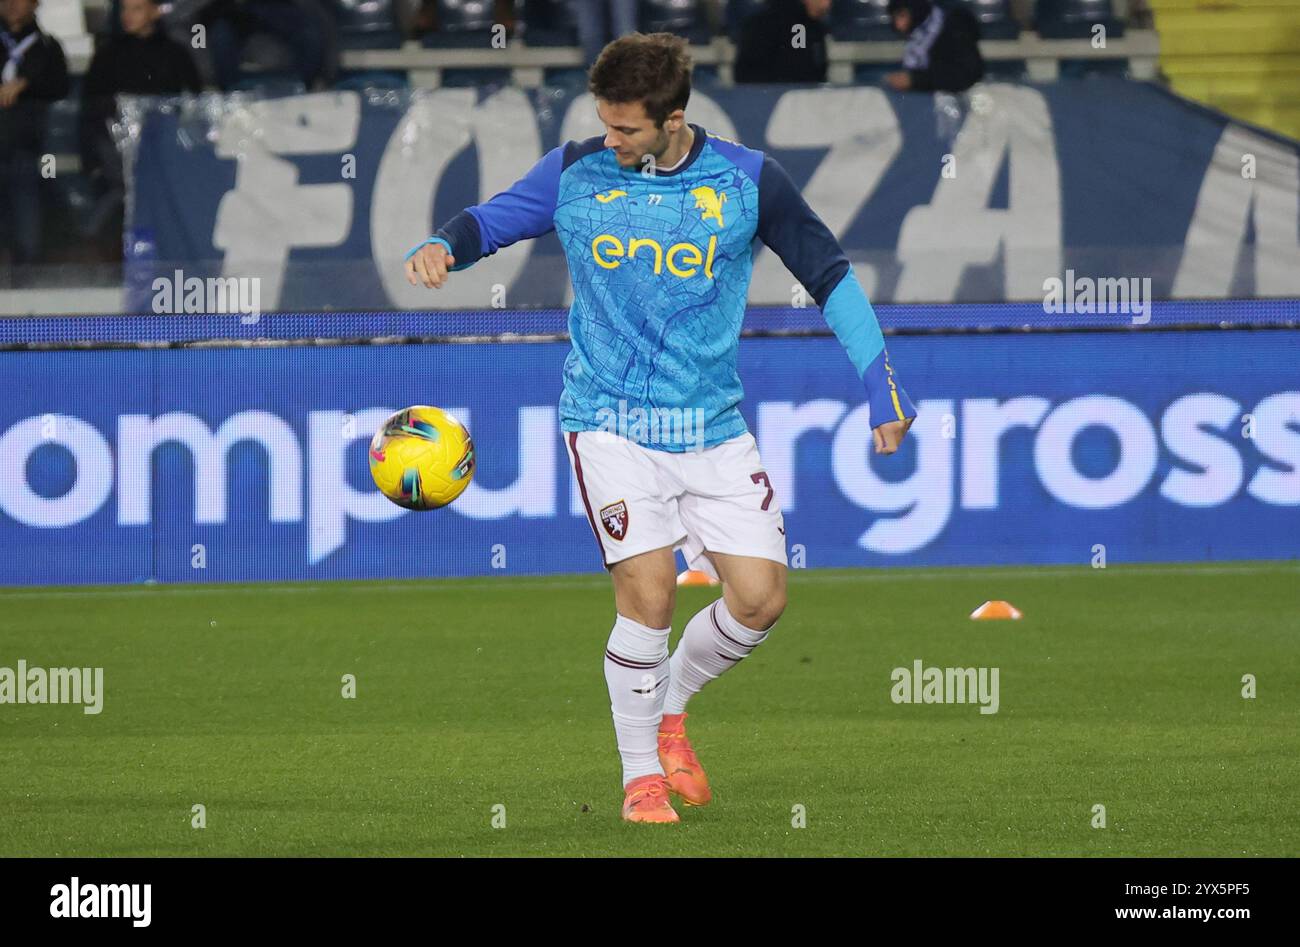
(1121, 687)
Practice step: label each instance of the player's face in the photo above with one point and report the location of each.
(630, 132)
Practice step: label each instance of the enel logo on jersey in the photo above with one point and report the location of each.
(683, 259)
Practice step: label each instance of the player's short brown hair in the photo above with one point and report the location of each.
(651, 68)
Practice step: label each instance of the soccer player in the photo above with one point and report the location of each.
(657, 219)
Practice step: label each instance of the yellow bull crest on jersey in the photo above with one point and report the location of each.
(709, 201)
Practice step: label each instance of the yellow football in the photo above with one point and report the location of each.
(422, 458)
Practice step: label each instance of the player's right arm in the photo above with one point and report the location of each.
(526, 209)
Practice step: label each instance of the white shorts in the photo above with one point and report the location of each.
(638, 499)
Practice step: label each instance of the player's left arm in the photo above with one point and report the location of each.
(790, 228)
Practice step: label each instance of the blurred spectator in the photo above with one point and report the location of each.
(770, 50)
(301, 25)
(139, 60)
(601, 22)
(425, 19)
(33, 73)
(942, 52)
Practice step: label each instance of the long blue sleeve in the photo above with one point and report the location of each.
(788, 226)
(848, 312)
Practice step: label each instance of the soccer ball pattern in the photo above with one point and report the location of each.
(422, 458)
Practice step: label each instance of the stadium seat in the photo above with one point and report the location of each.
(996, 21)
(271, 85)
(61, 125)
(1075, 19)
(736, 12)
(462, 24)
(686, 18)
(68, 199)
(1243, 60)
(467, 78)
(549, 23)
(1005, 70)
(872, 73)
(705, 76)
(367, 24)
(1091, 68)
(861, 20)
(570, 78)
(364, 80)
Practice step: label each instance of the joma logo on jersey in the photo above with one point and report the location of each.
(710, 202)
(682, 259)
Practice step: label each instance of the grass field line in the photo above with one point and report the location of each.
(597, 580)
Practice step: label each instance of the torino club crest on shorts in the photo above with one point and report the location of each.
(614, 517)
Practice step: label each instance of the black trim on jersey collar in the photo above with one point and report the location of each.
(696, 147)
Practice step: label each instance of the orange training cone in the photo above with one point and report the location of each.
(696, 577)
(996, 609)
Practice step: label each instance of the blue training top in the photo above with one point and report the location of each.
(660, 265)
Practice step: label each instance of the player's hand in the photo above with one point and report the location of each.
(429, 266)
(900, 81)
(9, 91)
(889, 436)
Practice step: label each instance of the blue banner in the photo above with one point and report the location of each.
(319, 196)
(429, 326)
(239, 463)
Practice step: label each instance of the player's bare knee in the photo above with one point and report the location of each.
(776, 606)
(656, 611)
(759, 612)
(645, 588)
(771, 612)
(756, 595)
(773, 601)
(651, 606)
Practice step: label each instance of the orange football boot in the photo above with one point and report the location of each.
(685, 774)
(647, 800)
